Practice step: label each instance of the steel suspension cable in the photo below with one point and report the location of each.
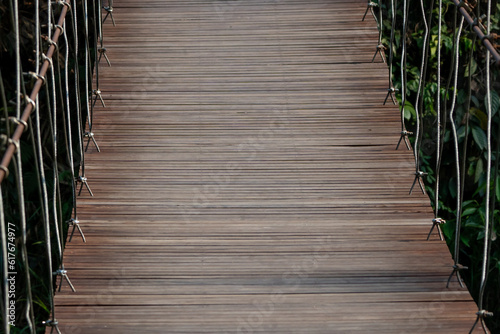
(404, 132)
(52, 108)
(88, 86)
(482, 313)
(5, 283)
(11, 148)
(438, 111)
(18, 58)
(391, 90)
(69, 133)
(74, 19)
(437, 222)
(419, 112)
(455, 139)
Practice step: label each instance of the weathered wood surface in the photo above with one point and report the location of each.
(249, 183)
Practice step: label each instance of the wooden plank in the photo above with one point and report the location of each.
(249, 182)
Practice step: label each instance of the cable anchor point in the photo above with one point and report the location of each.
(91, 137)
(390, 93)
(481, 315)
(98, 95)
(53, 324)
(84, 182)
(436, 223)
(102, 53)
(64, 274)
(418, 177)
(369, 7)
(404, 137)
(456, 271)
(380, 50)
(109, 12)
(76, 225)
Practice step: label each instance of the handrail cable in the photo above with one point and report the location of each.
(484, 38)
(482, 312)
(24, 117)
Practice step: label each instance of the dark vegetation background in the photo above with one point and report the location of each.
(471, 122)
(57, 171)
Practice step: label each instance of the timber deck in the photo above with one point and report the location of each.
(249, 183)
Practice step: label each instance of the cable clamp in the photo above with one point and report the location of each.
(30, 101)
(491, 37)
(57, 26)
(438, 221)
(6, 141)
(63, 3)
(51, 323)
(73, 222)
(459, 267)
(45, 58)
(60, 272)
(49, 41)
(19, 121)
(484, 314)
(36, 76)
(5, 170)
(464, 4)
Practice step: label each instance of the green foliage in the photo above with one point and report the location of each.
(471, 122)
(57, 170)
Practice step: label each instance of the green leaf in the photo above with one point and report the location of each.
(497, 189)
(479, 170)
(465, 239)
(409, 111)
(481, 116)
(468, 211)
(495, 102)
(479, 137)
(473, 68)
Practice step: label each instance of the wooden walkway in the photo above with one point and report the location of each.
(249, 183)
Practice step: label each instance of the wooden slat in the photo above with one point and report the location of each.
(248, 181)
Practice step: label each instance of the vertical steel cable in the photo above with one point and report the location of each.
(96, 65)
(74, 18)
(416, 149)
(51, 94)
(5, 286)
(391, 44)
(14, 7)
(99, 20)
(18, 57)
(4, 104)
(45, 208)
(22, 219)
(438, 111)
(484, 269)
(52, 113)
(391, 90)
(455, 143)
(403, 72)
(69, 134)
(88, 87)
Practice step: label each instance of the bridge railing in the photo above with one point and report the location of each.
(440, 111)
(57, 61)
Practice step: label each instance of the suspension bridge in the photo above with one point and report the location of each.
(248, 181)
(244, 179)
